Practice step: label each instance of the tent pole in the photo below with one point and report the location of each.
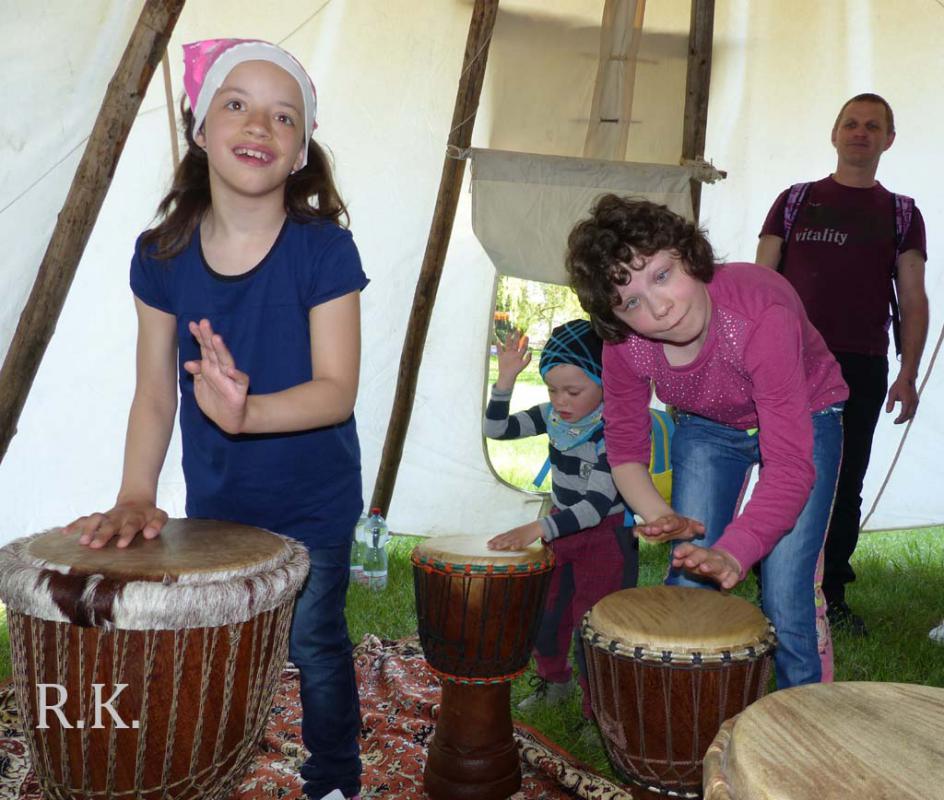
(450, 184)
(701, 29)
(89, 186)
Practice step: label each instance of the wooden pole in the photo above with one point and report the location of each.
(171, 114)
(701, 30)
(89, 186)
(450, 184)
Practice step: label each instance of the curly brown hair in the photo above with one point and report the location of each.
(184, 206)
(603, 251)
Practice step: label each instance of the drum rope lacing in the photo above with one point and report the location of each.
(260, 692)
(742, 652)
(429, 565)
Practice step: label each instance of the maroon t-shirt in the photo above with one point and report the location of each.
(840, 259)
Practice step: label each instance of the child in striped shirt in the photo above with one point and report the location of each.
(594, 552)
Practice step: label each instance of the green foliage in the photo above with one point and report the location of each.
(535, 308)
(519, 460)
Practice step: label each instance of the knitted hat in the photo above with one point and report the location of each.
(575, 343)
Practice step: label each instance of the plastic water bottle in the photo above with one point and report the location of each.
(357, 551)
(375, 556)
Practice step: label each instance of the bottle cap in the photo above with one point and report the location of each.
(375, 511)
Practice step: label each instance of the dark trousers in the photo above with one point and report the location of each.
(588, 566)
(867, 377)
(321, 649)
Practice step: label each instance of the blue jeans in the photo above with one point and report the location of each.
(320, 647)
(711, 465)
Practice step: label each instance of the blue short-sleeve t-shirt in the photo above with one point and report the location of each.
(305, 484)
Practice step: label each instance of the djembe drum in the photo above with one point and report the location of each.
(478, 612)
(832, 741)
(667, 665)
(149, 672)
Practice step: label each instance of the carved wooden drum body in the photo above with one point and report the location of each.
(478, 612)
(667, 665)
(148, 672)
(881, 741)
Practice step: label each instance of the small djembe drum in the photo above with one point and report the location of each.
(148, 672)
(478, 612)
(880, 741)
(667, 665)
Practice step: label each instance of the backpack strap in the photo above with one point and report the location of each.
(904, 210)
(791, 209)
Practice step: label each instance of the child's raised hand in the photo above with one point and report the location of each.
(513, 357)
(669, 527)
(125, 521)
(219, 388)
(723, 568)
(517, 538)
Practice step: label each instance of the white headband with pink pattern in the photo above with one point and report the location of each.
(208, 62)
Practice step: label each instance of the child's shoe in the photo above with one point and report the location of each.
(937, 634)
(546, 693)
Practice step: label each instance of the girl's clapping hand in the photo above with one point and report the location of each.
(220, 389)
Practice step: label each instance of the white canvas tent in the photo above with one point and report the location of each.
(386, 74)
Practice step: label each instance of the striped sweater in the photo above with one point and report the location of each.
(582, 487)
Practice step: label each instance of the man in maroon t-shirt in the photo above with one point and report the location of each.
(843, 256)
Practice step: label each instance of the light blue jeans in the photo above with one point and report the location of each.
(711, 465)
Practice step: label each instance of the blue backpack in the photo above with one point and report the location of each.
(904, 209)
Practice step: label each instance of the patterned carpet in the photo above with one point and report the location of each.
(399, 703)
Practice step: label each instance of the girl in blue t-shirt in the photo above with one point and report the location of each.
(247, 293)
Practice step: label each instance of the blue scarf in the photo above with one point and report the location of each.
(565, 435)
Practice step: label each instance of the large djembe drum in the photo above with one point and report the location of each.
(832, 741)
(667, 665)
(478, 612)
(149, 672)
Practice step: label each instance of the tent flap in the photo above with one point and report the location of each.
(524, 205)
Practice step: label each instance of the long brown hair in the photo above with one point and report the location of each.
(310, 193)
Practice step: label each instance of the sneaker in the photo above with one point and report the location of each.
(842, 619)
(937, 635)
(546, 693)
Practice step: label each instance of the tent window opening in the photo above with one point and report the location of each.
(533, 309)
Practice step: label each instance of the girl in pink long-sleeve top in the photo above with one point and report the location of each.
(731, 348)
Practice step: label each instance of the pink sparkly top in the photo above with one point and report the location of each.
(763, 365)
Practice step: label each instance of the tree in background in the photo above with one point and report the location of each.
(534, 308)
